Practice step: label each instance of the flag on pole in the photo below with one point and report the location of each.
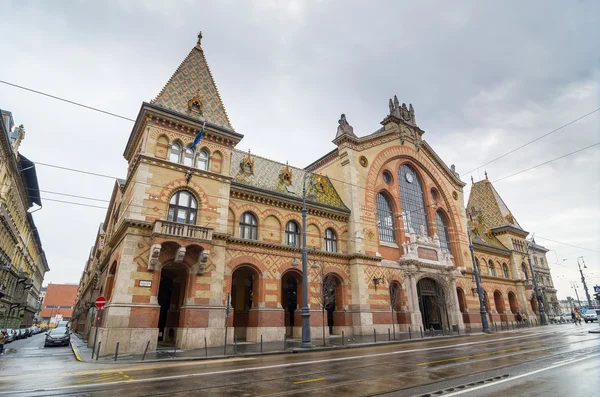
(198, 136)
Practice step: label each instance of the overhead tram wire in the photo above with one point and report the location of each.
(362, 187)
(570, 245)
(66, 100)
(535, 140)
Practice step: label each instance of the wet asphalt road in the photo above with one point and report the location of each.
(556, 360)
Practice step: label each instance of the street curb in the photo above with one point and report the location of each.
(75, 351)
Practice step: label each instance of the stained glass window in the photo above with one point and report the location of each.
(385, 219)
(442, 230)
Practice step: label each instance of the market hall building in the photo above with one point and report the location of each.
(188, 227)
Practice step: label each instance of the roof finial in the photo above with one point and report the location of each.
(200, 38)
(485, 172)
(472, 181)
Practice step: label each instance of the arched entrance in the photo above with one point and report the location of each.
(512, 301)
(462, 300)
(331, 300)
(432, 304)
(244, 290)
(534, 304)
(499, 302)
(291, 292)
(171, 294)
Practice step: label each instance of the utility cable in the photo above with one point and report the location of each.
(535, 140)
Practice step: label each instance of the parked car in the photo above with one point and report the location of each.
(11, 335)
(590, 315)
(63, 323)
(19, 335)
(58, 336)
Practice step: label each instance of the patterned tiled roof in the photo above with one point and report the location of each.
(266, 174)
(484, 200)
(193, 77)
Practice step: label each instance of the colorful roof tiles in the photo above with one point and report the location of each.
(485, 201)
(192, 92)
(262, 173)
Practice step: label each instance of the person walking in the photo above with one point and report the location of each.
(573, 317)
(3, 337)
(579, 317)
(519, 318)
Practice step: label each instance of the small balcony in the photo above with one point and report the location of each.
(182, 231)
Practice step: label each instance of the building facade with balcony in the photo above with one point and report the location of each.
(22, 260)
(189, 227)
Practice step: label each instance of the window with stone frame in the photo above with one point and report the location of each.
(492, 269)
(505, 270)
(524, 270)
(385, 219)
(188, 157)
(183, 208)
(292, 234)
(175, 153)
(203, 160)
(330, 240)
(248, 226)
(441, 224)
(412, 199)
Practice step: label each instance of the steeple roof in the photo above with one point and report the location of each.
(192, 92)
(486, 204)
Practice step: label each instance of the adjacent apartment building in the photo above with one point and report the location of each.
(22, 259)
(58, 303)
(386, 228)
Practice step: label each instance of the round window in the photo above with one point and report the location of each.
(387, 177)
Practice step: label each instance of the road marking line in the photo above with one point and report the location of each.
(480, 354)
(470, 389)
(288, 365)
(308, 381)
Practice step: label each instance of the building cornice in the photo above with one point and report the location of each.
(488, 248)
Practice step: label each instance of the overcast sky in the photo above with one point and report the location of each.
(483, 78)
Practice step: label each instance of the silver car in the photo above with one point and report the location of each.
(590, 315)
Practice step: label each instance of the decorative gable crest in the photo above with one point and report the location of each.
(402, 112)
(319, 183)
(195, 103)
(247, 164)
(286, 174)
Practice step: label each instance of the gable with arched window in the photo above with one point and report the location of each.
(412, 200)
(248, 226)
(292, 234)
(385, 219)
(183, 208)
(330, 240)
(441, 223)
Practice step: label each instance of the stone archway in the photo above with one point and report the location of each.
(171, 297)
(512, 301)
(291, 298)
(432, 304)
(244, 298)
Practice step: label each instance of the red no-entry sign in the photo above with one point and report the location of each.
(100, 302)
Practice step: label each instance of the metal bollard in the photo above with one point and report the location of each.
(496, 326)
(389, 335)
(94, 345)
(205, 348)
(342, 338)
(409, 334)
(432, 334)
(513, 325)
(261, 343)
(117, 351)
(234, 344)
(536, 322)
(458, 329)
(421, 328)
(284, 341)
(175, 350)
(374, 335)
(145, 351)
(98, 351)
(443, 331)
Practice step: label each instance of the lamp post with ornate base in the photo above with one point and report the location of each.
(484, 321)
(538, 295)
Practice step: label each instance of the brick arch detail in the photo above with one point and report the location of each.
(249, 261)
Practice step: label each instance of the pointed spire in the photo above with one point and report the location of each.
(193, 80)
(472, 181)
(486, 177)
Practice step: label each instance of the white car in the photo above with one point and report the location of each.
(590, 315)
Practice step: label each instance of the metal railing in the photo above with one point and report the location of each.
(182, 230)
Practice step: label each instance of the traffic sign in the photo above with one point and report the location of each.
(100, 302)
(596, 288)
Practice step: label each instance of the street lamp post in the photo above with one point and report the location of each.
(585, 288)
(538, 295)
(574, 286)
(484, 321)
(306, 343)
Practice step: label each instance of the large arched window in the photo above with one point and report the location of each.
(188, 158)
(491, 268)
(292, 234)
(505, 270)
(203, 160)
(385, 219)
(330, 240)
(412, 199)
(524, 269)
(183, 208)
(248, 226)
(175, 152)
(442, 228)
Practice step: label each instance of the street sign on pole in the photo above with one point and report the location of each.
(100, 302)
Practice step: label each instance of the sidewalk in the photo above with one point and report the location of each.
(335, 342)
